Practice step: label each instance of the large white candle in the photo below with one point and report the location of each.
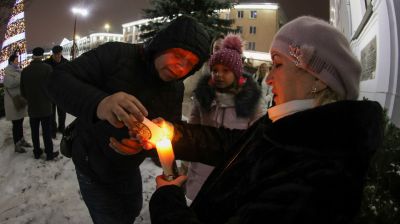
(159, 137)
(167, 158)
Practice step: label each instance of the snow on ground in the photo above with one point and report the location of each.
(37, 192)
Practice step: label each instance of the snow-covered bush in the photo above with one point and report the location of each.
(381, 201)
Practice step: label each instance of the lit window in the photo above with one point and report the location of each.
(253, 14)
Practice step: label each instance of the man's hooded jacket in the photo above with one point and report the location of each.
(79, 86)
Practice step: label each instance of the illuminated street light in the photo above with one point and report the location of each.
(107, 27)
(76, 11)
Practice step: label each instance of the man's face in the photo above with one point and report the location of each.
(175, 63)
(57, 57)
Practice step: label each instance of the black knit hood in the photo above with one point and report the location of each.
(246, 100)
(184, 32)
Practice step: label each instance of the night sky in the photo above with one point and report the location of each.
(49, 21)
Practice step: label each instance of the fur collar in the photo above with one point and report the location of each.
(246, 100)
(336, 128)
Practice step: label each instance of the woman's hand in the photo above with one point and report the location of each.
(179, 181)
(121, 109)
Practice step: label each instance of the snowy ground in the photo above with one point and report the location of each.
(35, 191)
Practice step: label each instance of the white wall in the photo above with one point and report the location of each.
(384, 24)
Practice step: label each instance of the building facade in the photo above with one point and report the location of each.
(89, 42)
(373, 28)
(257, 23)
(131, 31)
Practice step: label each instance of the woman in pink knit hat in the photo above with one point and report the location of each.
(305, 161)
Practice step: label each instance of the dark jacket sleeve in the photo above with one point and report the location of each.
(76, 86)
(168, 205)
(204, 144)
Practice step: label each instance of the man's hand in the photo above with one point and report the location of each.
(179, 181)
(121, 109)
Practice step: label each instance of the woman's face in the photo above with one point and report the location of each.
(175, 63)
(288, 81)
(222, 76)
(217, 45)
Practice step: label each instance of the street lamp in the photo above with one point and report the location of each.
(107, 27)
(76, 12)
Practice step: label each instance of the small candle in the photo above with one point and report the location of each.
(167, 158)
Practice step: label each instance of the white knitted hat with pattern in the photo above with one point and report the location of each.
(319, 48)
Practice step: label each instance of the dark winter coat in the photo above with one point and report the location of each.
(50, 61)
(33, 88)
(308, 167)
(78, 87)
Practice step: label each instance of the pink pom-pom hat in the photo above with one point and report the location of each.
(230, 55)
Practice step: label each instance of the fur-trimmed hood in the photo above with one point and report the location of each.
(246, 100)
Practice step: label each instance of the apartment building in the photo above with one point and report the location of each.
(257, 23)
(89, 42)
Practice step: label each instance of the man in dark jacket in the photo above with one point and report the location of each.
(33, 79)
(57, 59)
(104, 88)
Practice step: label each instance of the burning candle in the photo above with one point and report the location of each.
(159, 137)
(167, 158)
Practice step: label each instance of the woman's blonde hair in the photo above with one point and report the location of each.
(326, 96)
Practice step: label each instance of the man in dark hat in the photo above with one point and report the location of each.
(33, 79)
(109, 86)
(54, 60)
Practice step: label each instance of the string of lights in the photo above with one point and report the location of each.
(14, 38)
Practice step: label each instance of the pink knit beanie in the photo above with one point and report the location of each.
(322, 50)
(229, 55)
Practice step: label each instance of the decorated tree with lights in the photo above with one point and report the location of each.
(204, 11)
(14, 38)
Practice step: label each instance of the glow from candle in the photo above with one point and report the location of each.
(166, 155)
(157, 133)
(161, 137)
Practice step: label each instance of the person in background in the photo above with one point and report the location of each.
(226, 99)
(33, 89)
(260, 73)
(305, 161)
(12, 80)
(190, 84)
(261, 78)
(106, 87)
(54, 60)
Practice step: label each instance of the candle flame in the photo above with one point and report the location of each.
(168, 133)
(163, 143)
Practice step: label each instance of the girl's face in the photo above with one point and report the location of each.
(175, 63)
(290, 82)
(222, 76)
